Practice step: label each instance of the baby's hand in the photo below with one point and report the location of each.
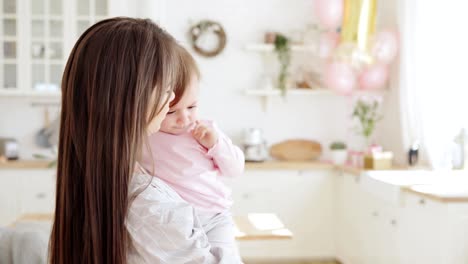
(206, 136)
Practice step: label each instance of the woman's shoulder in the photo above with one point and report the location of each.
(147, 187)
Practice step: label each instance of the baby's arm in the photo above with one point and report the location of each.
(227, 156)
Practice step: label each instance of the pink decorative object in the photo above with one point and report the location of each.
(327, 44)
(373, 77)
(340, 77)
(356, 159)
(374, 148)
(329, 13)
(385, 46)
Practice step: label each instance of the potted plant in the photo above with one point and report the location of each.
(283, 52)
(366, 111)
(339, 153)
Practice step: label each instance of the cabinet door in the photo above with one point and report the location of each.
(47, 40)
(381, 235)
(301, 200)
(421, 232)
(456, 242)
(354, 228)
(36, 37)
(340, 212)
(37, 192)
(9, 204)
(9, 38)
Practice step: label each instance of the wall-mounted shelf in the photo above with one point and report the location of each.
(291, 91)
(265, 94)
(270, 47)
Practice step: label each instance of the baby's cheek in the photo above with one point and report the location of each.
(194, 115)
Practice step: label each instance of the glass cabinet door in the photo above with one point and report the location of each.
(47, 40)
(8, 42)
(90, 12)
(36, 37)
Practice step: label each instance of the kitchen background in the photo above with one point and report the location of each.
(335, 213)
(321, 117)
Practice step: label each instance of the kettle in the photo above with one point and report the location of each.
(9, 148)
(254, 145)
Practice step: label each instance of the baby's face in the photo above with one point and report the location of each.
(182, 116)
(155, 124)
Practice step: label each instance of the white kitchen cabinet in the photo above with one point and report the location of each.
(39, 36)
(25, 191)
(456, 239)
(339, 222)
(36, 37)
(422, 230)
(372, 230)
(9, 203)
(380, 226)
(434, 232)
(351, 230)
(302, 200)
(37, 191)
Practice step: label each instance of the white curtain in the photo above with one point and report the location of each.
(433, 83)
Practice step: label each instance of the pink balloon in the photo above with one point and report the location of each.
(327, 44)
(340, 77)
(373, 77)
(329, 12)
(385, 46)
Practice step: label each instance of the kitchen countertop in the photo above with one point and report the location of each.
(289, 165)
(25, 164)
(443, 186)
(441, 194)
(432, 185)
(266, 165)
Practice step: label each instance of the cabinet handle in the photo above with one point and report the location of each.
(422, 201)
(246, 196)
(375, 213)
(393, 222)
(41, 195)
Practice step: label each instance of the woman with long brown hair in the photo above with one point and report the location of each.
(116, 89)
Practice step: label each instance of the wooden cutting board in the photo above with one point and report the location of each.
(296, 150)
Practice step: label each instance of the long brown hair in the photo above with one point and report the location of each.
(114, 70)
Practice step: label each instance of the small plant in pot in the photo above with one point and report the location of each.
(283, 52)
(339, 153)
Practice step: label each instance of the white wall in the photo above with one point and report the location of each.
(389, 131)
(225, 77)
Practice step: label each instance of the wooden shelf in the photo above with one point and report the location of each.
(270, 47)
(266, 94)
(293, 91)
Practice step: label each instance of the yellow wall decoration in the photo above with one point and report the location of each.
(359, 22)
